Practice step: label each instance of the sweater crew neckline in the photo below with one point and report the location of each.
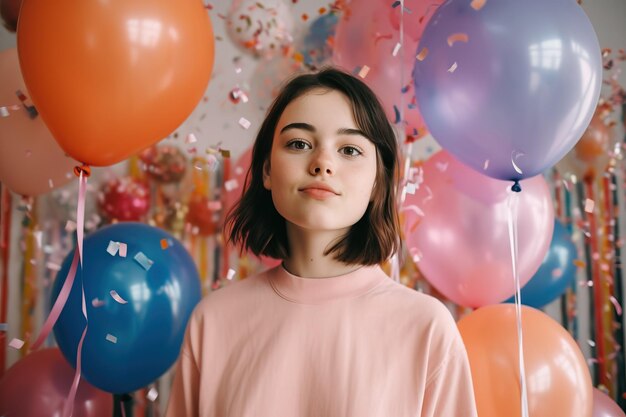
(305, 290)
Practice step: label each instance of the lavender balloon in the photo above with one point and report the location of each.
(508, 88)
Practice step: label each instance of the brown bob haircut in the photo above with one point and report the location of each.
(255, 224)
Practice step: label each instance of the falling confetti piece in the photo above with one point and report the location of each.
(97, 303)
(410, 188)
(589, 205)
(486, 165)
(225, 153)
(4, 112)
(50, 183)
(422, 54)
(214, 205)
(117, 297)
(457, 37)
(152, 394)
(53, 266)
(363, 71)
(70, 226)
(231, 184)
(164, 244)
(230, 274)
(396, 49)
(113, 248)
(478, 4)
(123, 249)
(591, 343)
(16, 343)
(452, 68)
(579, 263)
(144, 261)
(245, 123)
(191, 138)
(4, 327)
(557, 272)
(618, 308)
(111, 338)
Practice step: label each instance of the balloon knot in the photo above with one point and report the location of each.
(516, 187)
(84, 168)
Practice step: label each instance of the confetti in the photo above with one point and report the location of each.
(363, 71)
(589, 205)
(231, 184)
(53, 266)
(457, 37)
(164, 244)
(410, 188)
(117, 297)
(452, 68)
(152, 394)
(422, 54)
(4, 327)
(396, 49)
(214, 205)
(4, 112)
(38, 235)
(50, 183)
(191, 138)
(478, 4)
(113, 248)
(123, 249)
(231, 273)
(579, 263)
(243, 122)
(618, 308)
(111, 338)
(97, 303)
(16, 343)
(144, 261)
(70, 226)
(486, 165)
(225, 153)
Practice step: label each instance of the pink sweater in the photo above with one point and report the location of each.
(355, 345)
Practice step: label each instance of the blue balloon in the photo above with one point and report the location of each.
(128, 345)
(556, 272)
(508, 89)
(316, 49)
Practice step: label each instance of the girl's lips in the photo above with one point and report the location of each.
(318, 193)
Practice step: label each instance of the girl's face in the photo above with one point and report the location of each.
(317, 145)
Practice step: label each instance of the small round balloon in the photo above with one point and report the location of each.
(509, 88)
(604, 406)
(38, 384)
(124, 199)
(140, 286)
(556, 273)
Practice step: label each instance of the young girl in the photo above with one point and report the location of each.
(326, 333)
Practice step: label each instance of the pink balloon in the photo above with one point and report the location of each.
(462, 239)
(367, 34)
(38, 385)
(604, 406)
(31, 161)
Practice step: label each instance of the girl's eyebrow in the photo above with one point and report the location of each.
(311, 128)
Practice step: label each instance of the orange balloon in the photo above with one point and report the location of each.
(590, 157)
(112, 78)
(31, 162)
(557, 378)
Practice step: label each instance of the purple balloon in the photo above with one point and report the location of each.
(515, 95)
(604, 406)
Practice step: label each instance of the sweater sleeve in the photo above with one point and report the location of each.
(449, 391)
(184, 393)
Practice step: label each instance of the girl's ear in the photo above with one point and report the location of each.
(267, 182)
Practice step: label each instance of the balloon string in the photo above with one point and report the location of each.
(513, 203)
(80, 224)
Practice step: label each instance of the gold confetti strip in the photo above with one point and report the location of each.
(579, 263)
(478, 4)
(457, 37)
(422, 55)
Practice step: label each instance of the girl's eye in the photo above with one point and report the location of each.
(351, 151)
(297, 144)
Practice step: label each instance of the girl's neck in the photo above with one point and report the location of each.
(307, 258)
